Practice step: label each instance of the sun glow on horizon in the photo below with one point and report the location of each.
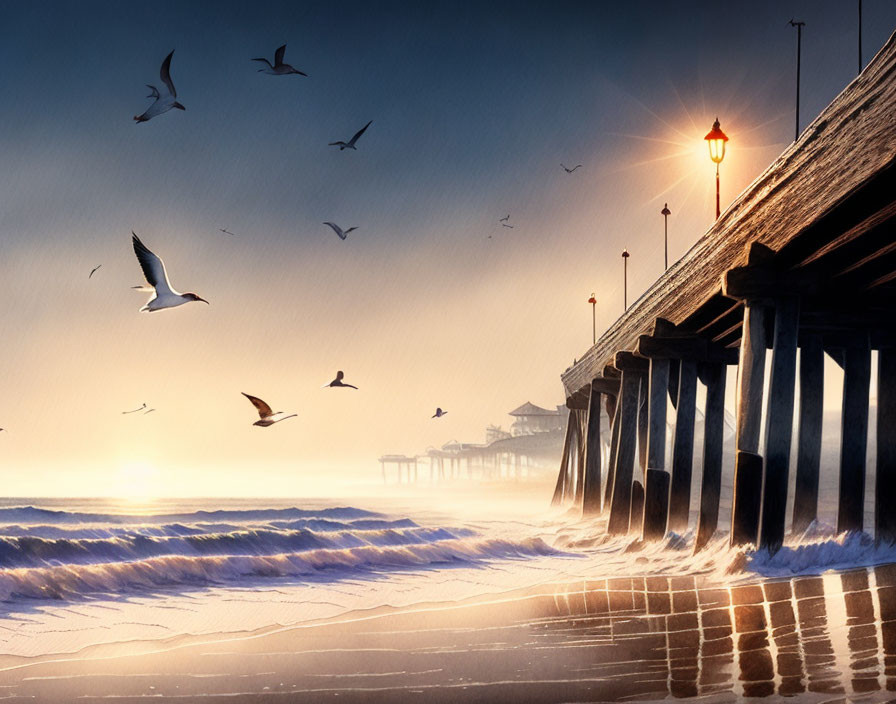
(138, 481)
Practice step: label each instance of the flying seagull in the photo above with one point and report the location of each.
(351, 143)
(226, 232)
(279, 68)
(504, 224)
(569, 171)
(268, 417)
(339, 231)
(505, 218)
(154, 270)
(439, 413)
(93, 271)
(149, 411)
(162, 103)
(124, 413)
(338, 382)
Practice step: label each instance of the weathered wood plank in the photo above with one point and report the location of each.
(683, 448)
(779, 424)
(808, 461)
(713, 436)
(854, 436)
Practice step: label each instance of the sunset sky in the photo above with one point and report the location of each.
(473, 110)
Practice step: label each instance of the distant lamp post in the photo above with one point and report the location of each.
(665, 212)
(625, 256)
(716, 140)
(593, 302)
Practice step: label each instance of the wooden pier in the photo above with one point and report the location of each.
(801, 265)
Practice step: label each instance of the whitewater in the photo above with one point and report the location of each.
(79, 573)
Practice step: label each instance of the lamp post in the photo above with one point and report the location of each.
(593, 302)
(716, 140)
(860, 36)
(799, 50)
(665, 212)
(625, 256)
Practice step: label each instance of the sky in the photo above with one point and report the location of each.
(430, 302)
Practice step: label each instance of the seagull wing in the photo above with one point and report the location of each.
(337, 144)
(155, 92)
(336, 229)
(264, 410)
(359, 133)
(278, 55)
(349, 230)
(93, 271)
(165, 74)
(264, 60)
(153, 267)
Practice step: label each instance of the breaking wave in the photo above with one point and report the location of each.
(67, 555)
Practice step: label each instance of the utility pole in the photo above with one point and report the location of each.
(665, 212)
(625, 256)
(860, 36)
(799, 48)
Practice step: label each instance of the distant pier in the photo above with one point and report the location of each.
(803, 261)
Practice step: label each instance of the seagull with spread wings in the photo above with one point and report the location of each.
(350, 144)
(278, 68)
(339, 231)
(162, 103)
(124, 413)
(338, 382)
(93, 271)
(439, 413)
(268, 417)
(569, 171)
(154, 270)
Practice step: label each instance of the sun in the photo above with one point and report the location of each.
(137, 481)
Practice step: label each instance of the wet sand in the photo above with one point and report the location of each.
(829, 638)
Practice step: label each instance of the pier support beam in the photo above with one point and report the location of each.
(885, 493)
(620, 504)
(656, 504)
(779, 423)
(643, 421)
(614, 449)
(638, 506)
(655, 508)
(683, 448)
(591, 504)
(808, 461)
(750, 383)
(854, 437)
(582, 439)
(713, 376)
(562, 476)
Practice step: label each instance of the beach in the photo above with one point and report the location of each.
(828, 638)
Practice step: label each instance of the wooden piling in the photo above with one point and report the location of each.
(580, 459)
(713, 376)
(854, 437)
(751, 379)
(885, 489)
(637, 511)
(614, 447)
(748, 492)
(591, 503)
(560, 488)
(808, 460)
(656, 504)
(656, 432)
(779, 423)
(620, 503)
(683, 448)
(643, 423)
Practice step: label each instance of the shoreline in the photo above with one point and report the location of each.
(641, 638)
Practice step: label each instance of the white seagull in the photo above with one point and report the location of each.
(154, 270)
(339, 231)
(268, 417)
(338, 382)
(162, 103)
(439, 413)
(278, 68)
(350, 144)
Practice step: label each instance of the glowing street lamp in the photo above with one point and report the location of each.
(716, 140)
(625, 256)
(593, 302)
